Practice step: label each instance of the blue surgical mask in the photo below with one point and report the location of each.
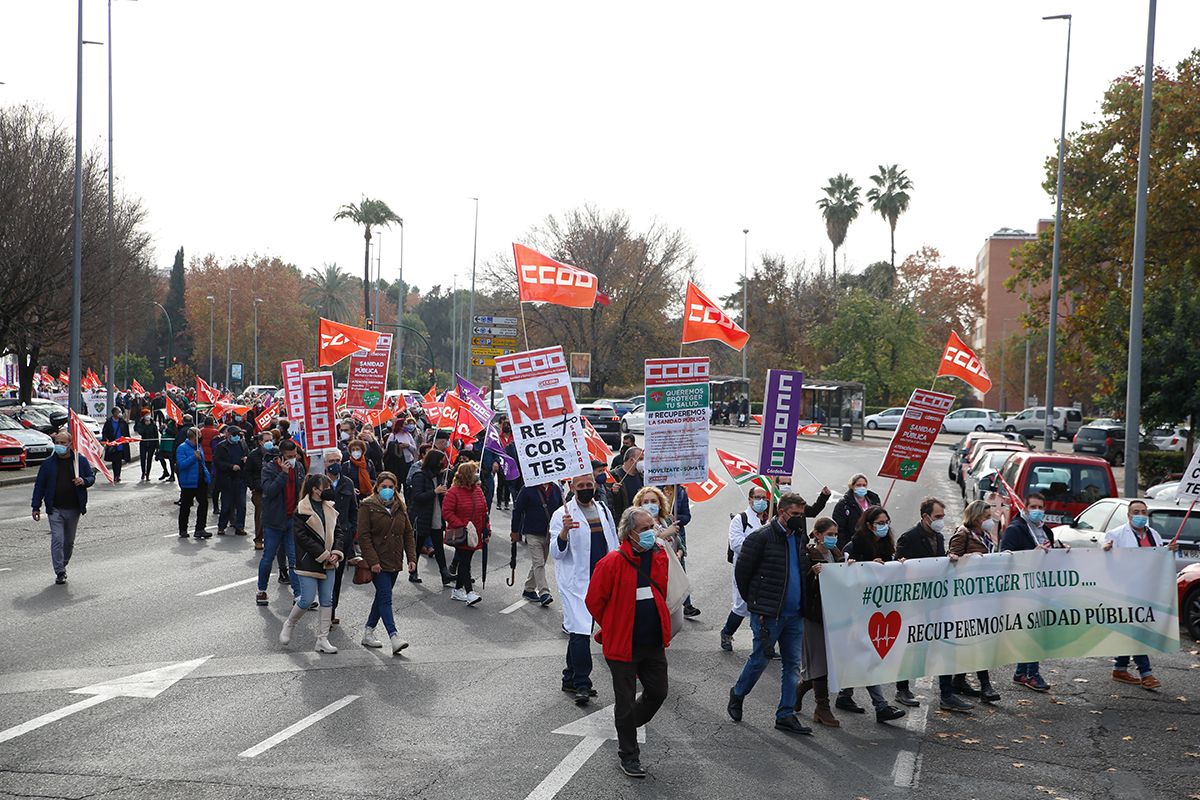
(881, 530)
(651, 509)
(386, 494)
(860, 491)
(759, 505)
(60, 449)
(646, 539)
(268, 446)
(410, 428)
(1139, 520)
(1036, 515)
(830, 542)
(235, 439)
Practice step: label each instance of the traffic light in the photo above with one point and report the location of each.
(162, 362)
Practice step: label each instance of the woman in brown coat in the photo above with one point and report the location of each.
(976, 535)
(386, 539)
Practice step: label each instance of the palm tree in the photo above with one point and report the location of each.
(839, 207)
(890, 197)
(331, 289)
(370, 214)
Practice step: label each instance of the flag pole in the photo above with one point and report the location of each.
(524, 325)
(887, 496)
(1183, 522)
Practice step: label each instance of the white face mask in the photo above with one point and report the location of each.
(938, 525)
(356, 454)
(989, 525)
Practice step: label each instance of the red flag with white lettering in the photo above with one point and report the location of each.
(85, 443)
(338, 341)
(172, 410)
(263, 420)
(699, 492)
(137, 387)
(598, 449)
(959, 361)
(541, 279)
(205, 393)
(703, 320)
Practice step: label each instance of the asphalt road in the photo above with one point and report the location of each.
(473, 706)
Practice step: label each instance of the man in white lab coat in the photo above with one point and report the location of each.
(581, 533)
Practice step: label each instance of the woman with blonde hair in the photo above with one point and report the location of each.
(655, 503)
(463, 505)
(975, 535)
(386, 537)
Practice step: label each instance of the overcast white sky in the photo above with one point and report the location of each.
(244, 124)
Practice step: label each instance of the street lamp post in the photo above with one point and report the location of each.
(1133, 380)
(1052, 342)
(170, 332)
(471, 306)
(257, 302)
(401, 296)
(228, 342)
(378, 271)
(211, 300)
(75, 395)
(745, 296)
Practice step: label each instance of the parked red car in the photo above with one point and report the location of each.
(1070, 483)
(12, 453)
(1188, 582)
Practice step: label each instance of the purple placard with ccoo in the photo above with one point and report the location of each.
(781, 419)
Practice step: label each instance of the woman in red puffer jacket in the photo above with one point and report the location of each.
(462, 506)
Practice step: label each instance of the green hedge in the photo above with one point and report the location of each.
(1155, 466)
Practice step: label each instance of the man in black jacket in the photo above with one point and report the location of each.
(629, 482)
(927, 540)
(1027, 532)
(254, 465)
(769, 575)
(231, 455)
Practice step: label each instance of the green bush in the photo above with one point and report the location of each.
(1156, 466)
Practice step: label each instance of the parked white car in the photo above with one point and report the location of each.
(38, 446)
(1032, 422)
(966, 420)
(634, 421)
(888, 419)
(1163, 491)
(1170, 438)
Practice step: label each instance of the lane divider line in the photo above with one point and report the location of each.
(292, 730)
(226, 586)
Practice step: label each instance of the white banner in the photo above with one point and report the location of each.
(928, 616)
(1189, 485)
(676, 439)
(547, 428)
(96, 403)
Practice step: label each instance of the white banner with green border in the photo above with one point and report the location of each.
(888, 622)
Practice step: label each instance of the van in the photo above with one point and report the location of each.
(1032, 422)
(1069, 482)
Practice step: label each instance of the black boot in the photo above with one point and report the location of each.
(802, 688)
(961, 687)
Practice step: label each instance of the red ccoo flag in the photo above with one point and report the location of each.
(205, 393)
(542, 279)
(703, 320)
(338, 341)
(172, 411)
(958, 361)
(137, 387)
(85, 443)
(699, 492)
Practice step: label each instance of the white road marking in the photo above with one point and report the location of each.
(226, 586)
(292, 730)
(53, 716)
(553, 783)
(5, 569)
(918, 718)
(907, 770)
(514, 606)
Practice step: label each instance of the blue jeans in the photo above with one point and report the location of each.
(311, 588)
(578, 674)
(789, 632)
(273, 539)
(1027, 669)
(1142, 662)
(381, 608)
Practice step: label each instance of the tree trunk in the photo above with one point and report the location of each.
(367, 274)
(834, 270)
(893, 227)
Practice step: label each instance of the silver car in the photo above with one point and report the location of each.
(1111, 513)
(38, 446)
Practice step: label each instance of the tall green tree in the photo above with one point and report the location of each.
(173, 303)
(370, 214)
(839, 207)
(331, 288)
(889, 197)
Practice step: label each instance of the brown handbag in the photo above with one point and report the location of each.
(362, 573)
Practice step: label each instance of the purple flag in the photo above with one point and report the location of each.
(465, 388)
(492, 442)
(470, 394)
(781, 418)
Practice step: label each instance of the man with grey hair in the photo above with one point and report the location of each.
(63, 490)
(577, 549)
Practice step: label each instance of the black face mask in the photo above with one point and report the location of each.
(327, 495)
(334, 469)
(796, 524)
(585, 495)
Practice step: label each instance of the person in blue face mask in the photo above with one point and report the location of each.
(1027, 531)
(231, 456)
(627, 596)
(857, 499)
(61, 485)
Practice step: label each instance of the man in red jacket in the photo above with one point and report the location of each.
(627, 598)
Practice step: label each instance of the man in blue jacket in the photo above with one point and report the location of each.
(64, 492)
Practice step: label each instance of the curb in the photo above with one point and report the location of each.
(17, 480)
(834, 441)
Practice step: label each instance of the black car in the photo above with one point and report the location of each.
(1106, 440)
(606, 422)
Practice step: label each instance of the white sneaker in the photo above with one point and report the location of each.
(459, 594)
(368, 638)
(472, 598)
(398, 644)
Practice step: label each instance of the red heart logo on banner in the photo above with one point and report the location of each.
(884, 631)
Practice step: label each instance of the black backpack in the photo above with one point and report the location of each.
(745, 524)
